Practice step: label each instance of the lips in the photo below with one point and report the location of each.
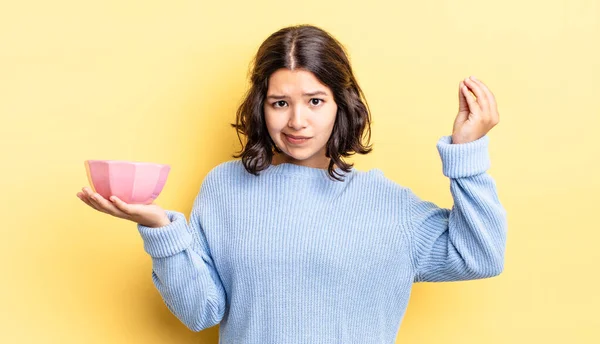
(297, 137)
(296, 140)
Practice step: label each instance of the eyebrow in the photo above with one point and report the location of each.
(316, 93)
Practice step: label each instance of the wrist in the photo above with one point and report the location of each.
(161, 223)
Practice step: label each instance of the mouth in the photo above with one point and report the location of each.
(296, 139)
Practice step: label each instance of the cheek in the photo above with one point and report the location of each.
(328, 121)
(273, 124)
(269, 120)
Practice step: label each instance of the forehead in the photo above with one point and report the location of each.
(298, 81)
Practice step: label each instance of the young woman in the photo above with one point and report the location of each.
(291, 244)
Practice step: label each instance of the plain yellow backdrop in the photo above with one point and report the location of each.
(160, 81)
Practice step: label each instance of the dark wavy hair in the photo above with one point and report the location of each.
(309, 48)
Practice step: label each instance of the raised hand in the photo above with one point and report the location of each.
(475, 116)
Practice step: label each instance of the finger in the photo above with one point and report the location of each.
(462, 101)
(86, 200)
(490, 96)
(473, 106)
(492, 116)
(87, 194)
(96, 202)
(481, 96)
(109, 206)
(122, 206)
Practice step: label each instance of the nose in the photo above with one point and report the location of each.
(297, 119)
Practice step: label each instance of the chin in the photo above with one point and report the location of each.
(297, 156)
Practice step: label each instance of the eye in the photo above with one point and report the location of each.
(318, 103)
(279, 103)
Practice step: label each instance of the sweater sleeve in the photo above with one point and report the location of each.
(468, 241)
(183, 270)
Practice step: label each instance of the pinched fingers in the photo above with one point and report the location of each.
(490, 96)
(492, 100)
(467, 101)
(492, 113)
(482, 98)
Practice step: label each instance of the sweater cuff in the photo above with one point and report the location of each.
(464, 159)
(168, 240)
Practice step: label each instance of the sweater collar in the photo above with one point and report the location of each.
(287, 168)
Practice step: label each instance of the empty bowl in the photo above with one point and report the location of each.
(132, 182)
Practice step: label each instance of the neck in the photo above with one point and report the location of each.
(279, 158)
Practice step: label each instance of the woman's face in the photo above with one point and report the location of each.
(299, 105)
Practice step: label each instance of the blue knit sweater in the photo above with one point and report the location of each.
(292, 256)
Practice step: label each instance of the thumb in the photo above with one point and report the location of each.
(463, 105)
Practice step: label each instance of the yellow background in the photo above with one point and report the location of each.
(160, 81)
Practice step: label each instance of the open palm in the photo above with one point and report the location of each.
(150, 215)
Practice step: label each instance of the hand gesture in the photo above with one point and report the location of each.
(475, 116)
(149, 215)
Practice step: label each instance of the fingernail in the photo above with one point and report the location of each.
(473, 78)
(112, 199)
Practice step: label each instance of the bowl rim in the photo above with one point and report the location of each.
(112, 161)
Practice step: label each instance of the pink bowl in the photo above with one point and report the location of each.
(132, 182)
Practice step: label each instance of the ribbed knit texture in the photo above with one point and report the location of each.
(292, 256)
